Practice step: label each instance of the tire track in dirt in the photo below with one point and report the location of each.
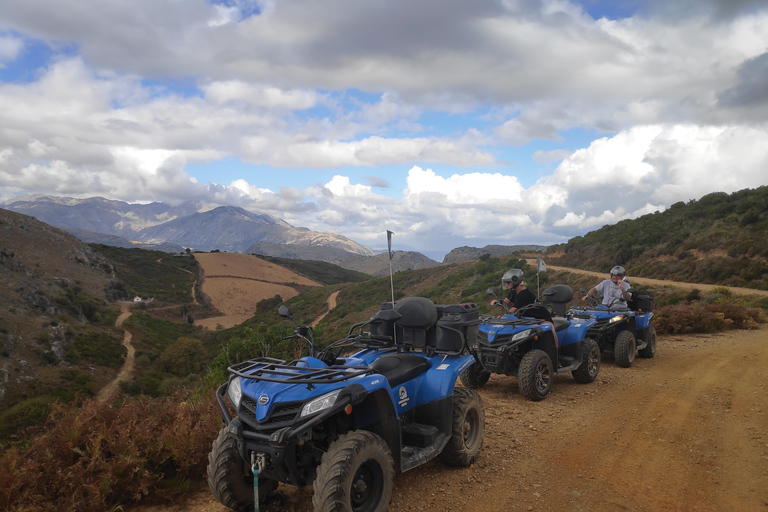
(674, 437)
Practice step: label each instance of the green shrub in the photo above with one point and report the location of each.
(26, 414)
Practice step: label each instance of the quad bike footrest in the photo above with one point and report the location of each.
(418, 434)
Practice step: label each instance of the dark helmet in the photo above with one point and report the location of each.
(618, 270)
(513, 276)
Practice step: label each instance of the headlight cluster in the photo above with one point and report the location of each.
(320, 403)
(615, 319)
(522, 335)
(235, 392)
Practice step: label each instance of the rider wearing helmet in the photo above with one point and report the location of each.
(615, 291)
(520, 296)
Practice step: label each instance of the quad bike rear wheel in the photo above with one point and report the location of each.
(355, 475)
(475, 376)
(468, 428)
(535, 375)
(590, 363)
(650, 349)
(624, 349)
(231, 479)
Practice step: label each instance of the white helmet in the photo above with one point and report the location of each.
(512, 276)
(618, 270)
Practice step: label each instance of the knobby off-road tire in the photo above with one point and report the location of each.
(624, 349)
(231, 479)
(355, 475)
(475, 376)
(535, 375)
(468, 428)
(650, 349)
(590, 363)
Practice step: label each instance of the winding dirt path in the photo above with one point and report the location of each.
(331, 304)
(126, 371)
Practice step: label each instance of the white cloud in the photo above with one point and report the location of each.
(545, 157)
(609, 162)
(9, 48)
(677, 95)
(259, 95)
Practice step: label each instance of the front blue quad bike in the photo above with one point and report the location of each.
(343, 423)
(525, 347)
(623, 330)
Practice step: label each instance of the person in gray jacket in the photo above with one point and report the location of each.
(615, 291)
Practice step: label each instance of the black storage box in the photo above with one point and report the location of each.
(457, 324)
(642, 300)
(380, 327)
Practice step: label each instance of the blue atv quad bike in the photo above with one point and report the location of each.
(623, 330)
(525, 347)
(343, 423)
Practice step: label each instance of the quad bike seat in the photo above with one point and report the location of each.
(399, 368)
(559, 295)
(415, 329)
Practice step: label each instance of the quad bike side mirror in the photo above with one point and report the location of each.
(284, 311)
(490, 291)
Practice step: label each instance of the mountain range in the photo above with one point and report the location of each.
(184, 227)
(226, 228)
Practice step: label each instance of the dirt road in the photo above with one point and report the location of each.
(656, 282)
(126, 370)
(686, 430)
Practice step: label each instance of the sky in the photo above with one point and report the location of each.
(447, 122)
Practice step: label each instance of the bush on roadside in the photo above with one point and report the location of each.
(705, 318)
(97, 457)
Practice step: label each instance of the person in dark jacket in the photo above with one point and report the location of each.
(519, 296)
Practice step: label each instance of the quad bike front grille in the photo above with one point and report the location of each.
(280, 416)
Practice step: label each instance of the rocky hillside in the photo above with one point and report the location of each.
(719, 239)
(55, 333)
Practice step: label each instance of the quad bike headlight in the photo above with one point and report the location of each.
(522, 335)
(320, 403)
(235, 392)
(617, 318)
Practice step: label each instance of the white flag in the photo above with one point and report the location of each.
(541, 266)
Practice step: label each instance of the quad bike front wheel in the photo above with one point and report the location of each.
(650, 349)
(590, 363)
(475, 376)
(355, 475)
(624, 349)
(535, 375)
(231, 479)
(467, 430)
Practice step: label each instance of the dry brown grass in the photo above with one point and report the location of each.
(235, 283)
(249, 267)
